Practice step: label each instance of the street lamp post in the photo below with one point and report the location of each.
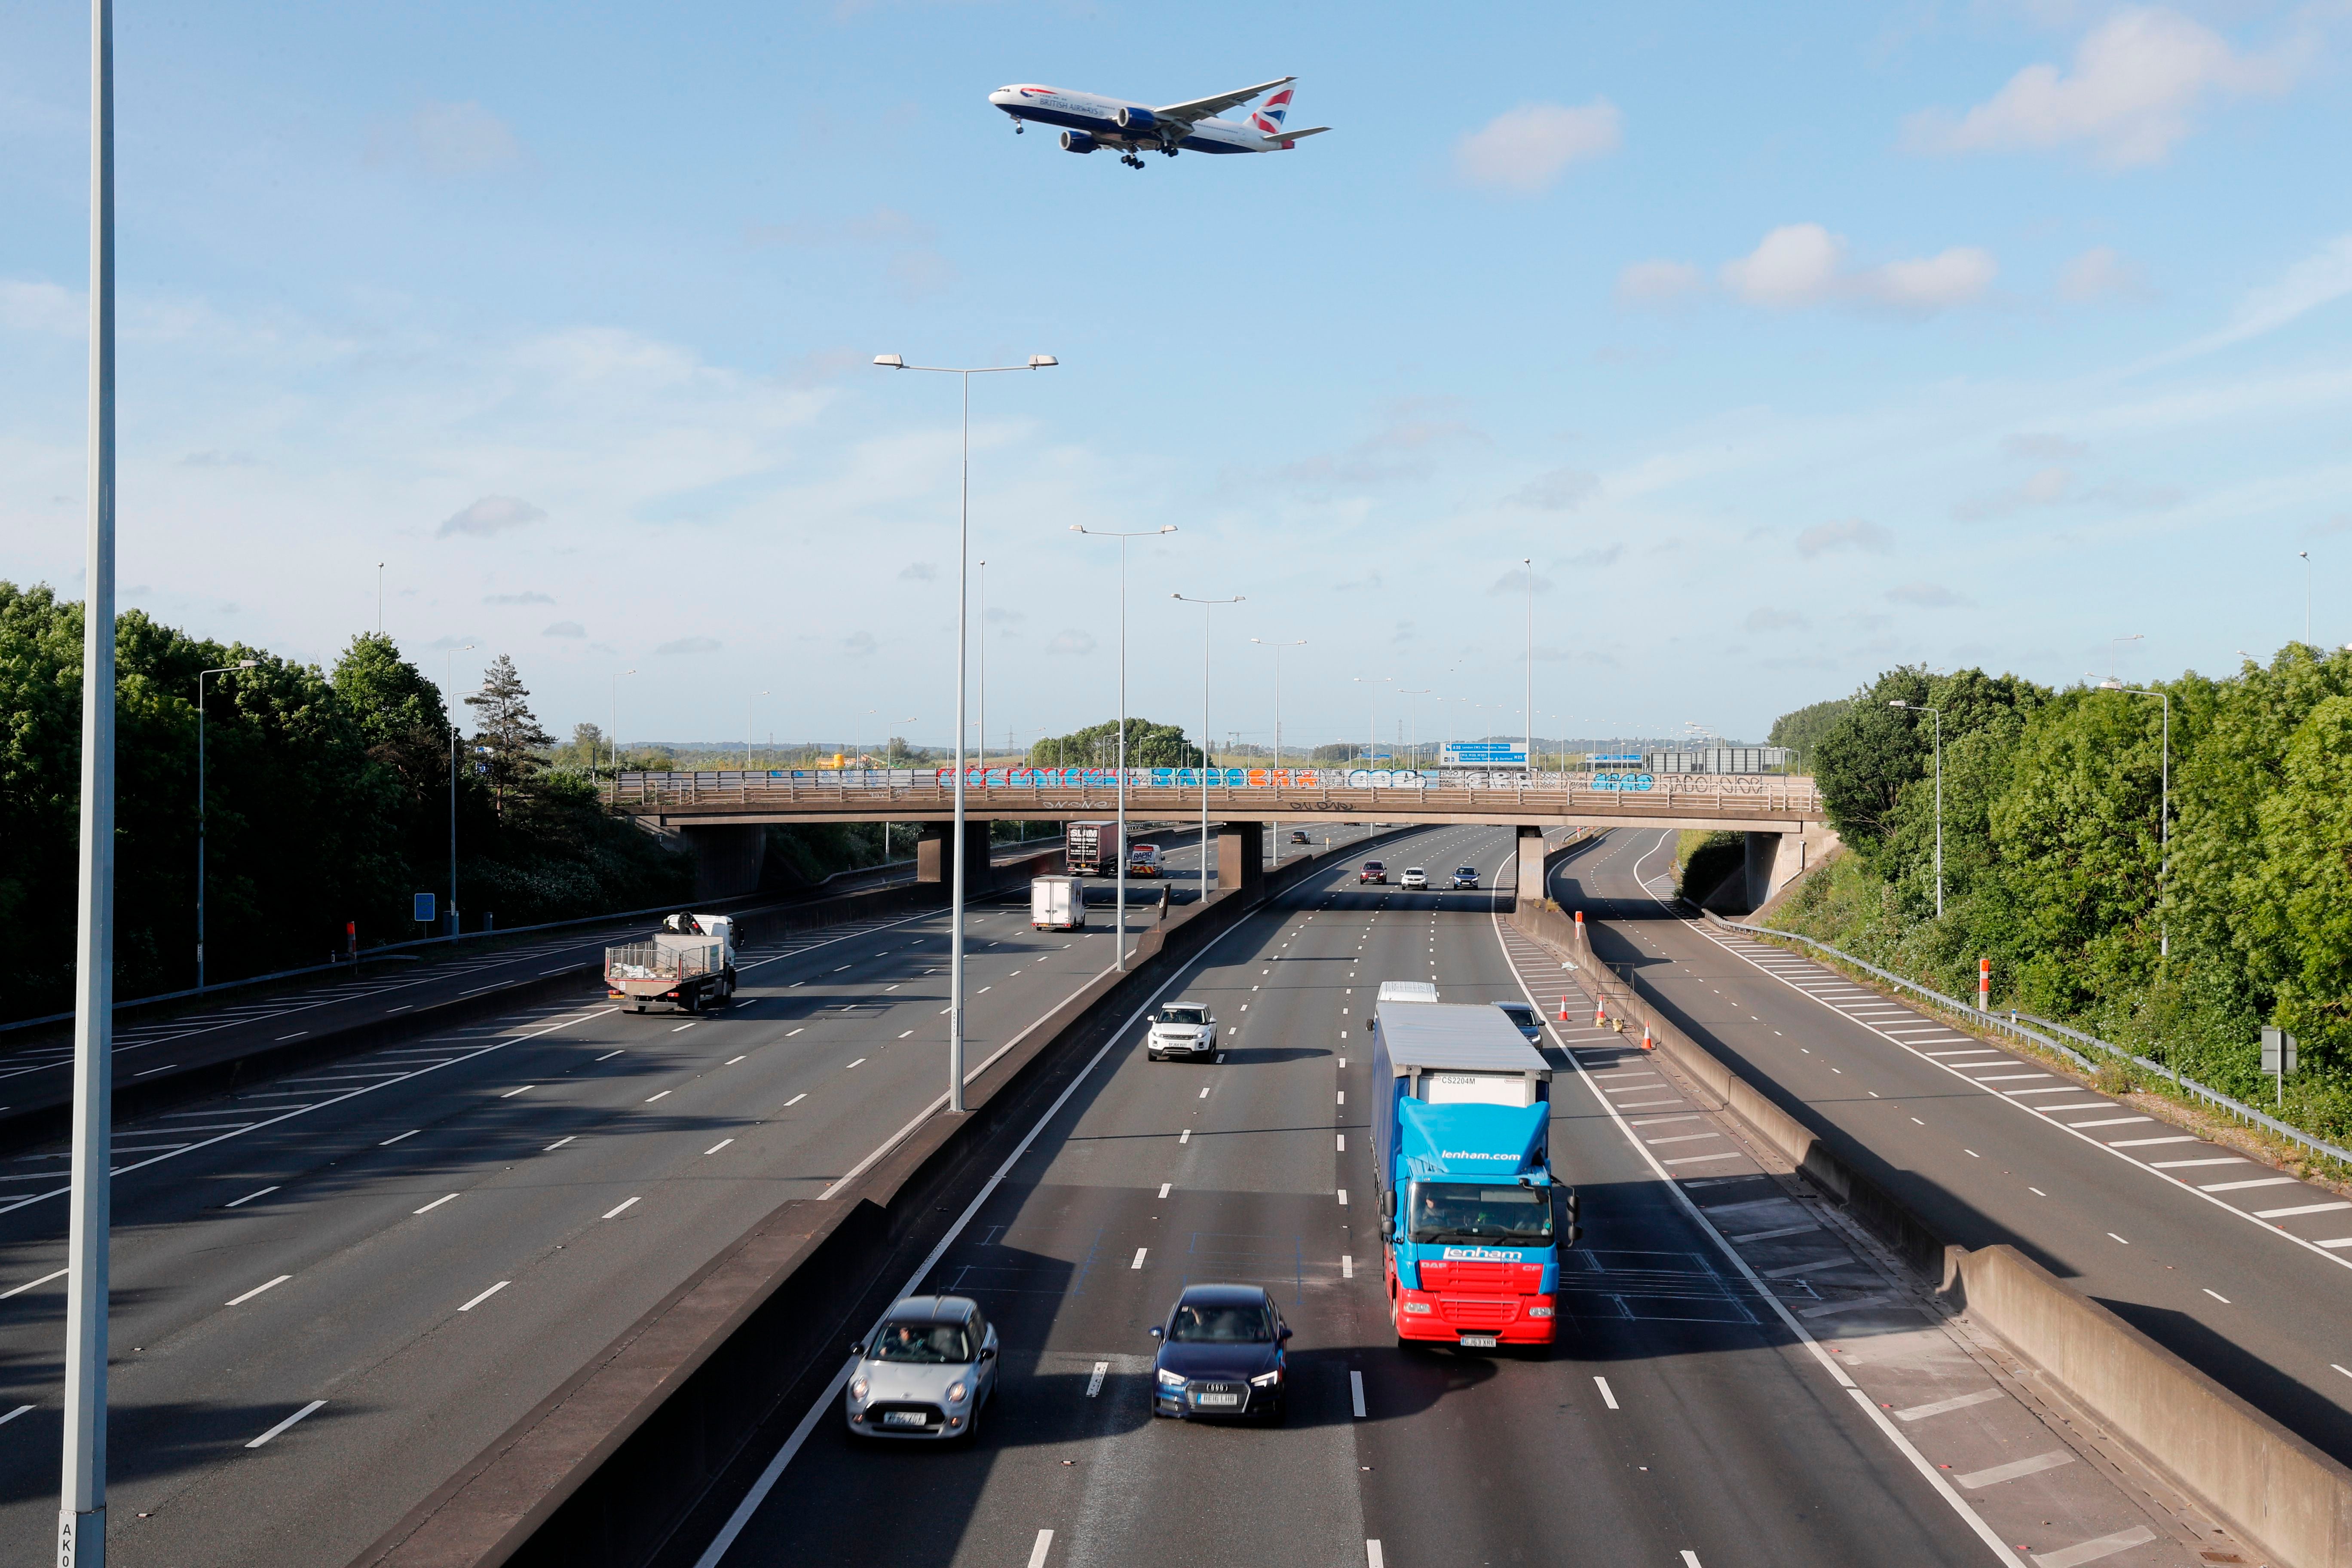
(2163, 814)
(450, 685)
(2305, 555)
(613, 740)
(747, 728)
(1412, 721)
(1921, 707)
(984, 674)
(1205, 758)
(963, 643)
(224, 669)
(1120, 945)
(1527, 566)
(1277, 647)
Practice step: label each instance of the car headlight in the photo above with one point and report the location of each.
(1170, 1379)
(1268, 1379)
(1416, 1306)
(859, 1388)
(956, 1391)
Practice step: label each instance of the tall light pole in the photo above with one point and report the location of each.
(984, 674)
(2163, 816)
(379, 599)
(1371, 713)
(747, 728)
(1527, 566)
(1120, 957)
(1277, 647)
(1922, 708)
(1413, 719)
(450, 685)
(1205, 759)
(2305, 556)
(224, 669)
(613, 740)
(964, 644)
(81, 1493)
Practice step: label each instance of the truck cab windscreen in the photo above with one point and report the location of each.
(1463, 1211)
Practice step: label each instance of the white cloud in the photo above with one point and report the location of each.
(1071, 641)
(1802, 264)
(1518, 580)
(860, 644)
(1658, 282)
(1771, 620)
(686, 645)
(1525, 149)
(1561, 489)
(519, 599)
(2042, 446)
(2099, 273)
(492, 514)
(1796, 263)
(2136, 81)
(917, 572)
(1851, 533)
(43, 308)
(2317, 279)
(458, 139)
(565, 629)
(1926, 596)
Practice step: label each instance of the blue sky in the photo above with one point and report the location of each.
(1788, 343)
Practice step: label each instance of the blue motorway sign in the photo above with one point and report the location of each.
(1483, 754)
(425, 909)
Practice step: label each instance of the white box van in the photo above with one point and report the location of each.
(1407, 990)
(1058, 904)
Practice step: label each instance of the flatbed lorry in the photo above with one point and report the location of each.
(689, 965)
(1471, 1219)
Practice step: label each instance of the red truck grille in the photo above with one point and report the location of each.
(1458, 1276)
(1479, 1311)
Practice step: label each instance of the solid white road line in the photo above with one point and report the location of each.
(717, 1146)
(664, 1094)
(1957, 1401)
(1164, 1186)
(559, 1143)
(1373, 1558)
(314, 1405)
(795, 1100)
(512, 1092)
(1347, 1265)
(14, 1414)
(624, 1209)
(1038, 1553)
(486, 1295)
(390, 1141)
(45, 1278)
(1356, 1392)
(1608, 1396)
(1138, 1257)
(436, 1204)
(1094, 1383)
(249, 1198)
(2011, 1471)
(258, 1289)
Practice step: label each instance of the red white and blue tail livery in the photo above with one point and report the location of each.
(1089, 120)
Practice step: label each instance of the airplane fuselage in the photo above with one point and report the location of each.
(1129, 127)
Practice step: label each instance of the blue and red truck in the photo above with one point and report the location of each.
(1471, 1220)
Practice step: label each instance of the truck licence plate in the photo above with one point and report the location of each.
(1479, 1341)
(903, 1418)
(1218, 1399)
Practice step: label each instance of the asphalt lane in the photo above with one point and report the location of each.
(2237, 1268)
(1718, 1439)
(431, 1237)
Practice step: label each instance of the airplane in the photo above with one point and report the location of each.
(1089, 120)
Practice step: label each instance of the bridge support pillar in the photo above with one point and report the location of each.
(1531, 867)
(1774, 861)
(934, 855)
(1241, 855)
(727, 861)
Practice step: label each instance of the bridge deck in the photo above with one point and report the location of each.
(673, 803)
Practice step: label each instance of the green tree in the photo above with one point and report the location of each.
(1148, 745)
(1802, 730)
(507, 735)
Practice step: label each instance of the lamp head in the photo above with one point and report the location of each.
(2111, 684)
(1042, 361)
(1168, 528)
(890, 361)
(1898, 702)
(247, 663)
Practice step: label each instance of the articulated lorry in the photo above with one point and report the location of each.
(1092, 849)
(689, 965)
(1461, 1116)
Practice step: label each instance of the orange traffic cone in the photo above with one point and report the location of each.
(1647, 1043)
(1599, 1011)
(1563, 1006)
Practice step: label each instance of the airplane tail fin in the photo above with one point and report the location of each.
(1266, 118)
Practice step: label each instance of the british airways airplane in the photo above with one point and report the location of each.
(1089, 121)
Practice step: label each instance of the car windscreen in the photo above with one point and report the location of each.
(1519, 1011)
(1202, 1324)
(1465, 871)
(938, 1344)
(1374, 865)
(1184, 1015)
(1463, 1211)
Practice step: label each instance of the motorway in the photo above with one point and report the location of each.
(1687, 1418)
(2240, 1268)
(332, 1290)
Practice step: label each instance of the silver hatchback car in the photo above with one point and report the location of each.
(925, 1372)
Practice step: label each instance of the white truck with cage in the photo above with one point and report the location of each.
(689, 965)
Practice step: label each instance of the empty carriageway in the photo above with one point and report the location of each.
(1682, 1419)
(2241, 1269)
(333, 1288)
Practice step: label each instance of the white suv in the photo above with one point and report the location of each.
(1182, 1029)
(1414, 876)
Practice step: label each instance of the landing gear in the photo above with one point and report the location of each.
(1130, 160)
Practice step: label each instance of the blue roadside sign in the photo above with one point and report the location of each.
(425, 909)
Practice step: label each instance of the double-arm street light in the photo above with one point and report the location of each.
(963, 643)
(2163, 816)
(1412, 721)
(1119, 958)
(224, 669)
(1205, 759)
(1922, 708)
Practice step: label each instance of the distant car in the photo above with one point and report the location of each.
(1143, 861)
(1298, 836)
(925, 1372)
(1465, 877)
(1221, 1355)
(1373, 871)
(1414, 876)
(1182, 1029)
(1524, 1017)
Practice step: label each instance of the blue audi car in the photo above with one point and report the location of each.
(1221, 1355)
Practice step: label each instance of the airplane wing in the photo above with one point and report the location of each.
(1205, 108)
(1294, 135)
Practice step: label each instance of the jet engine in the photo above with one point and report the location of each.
(1078, 142)
(1136, 118)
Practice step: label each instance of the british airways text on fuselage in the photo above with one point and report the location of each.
(1089, 120)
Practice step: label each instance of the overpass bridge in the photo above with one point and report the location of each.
(723, 814)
